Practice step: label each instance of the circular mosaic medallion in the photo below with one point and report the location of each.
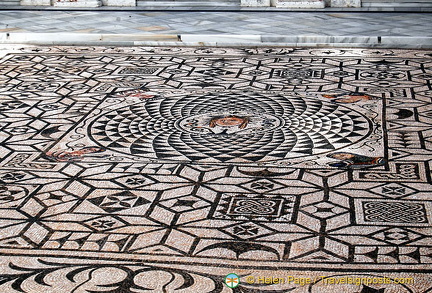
(229, 123)
(241, 127)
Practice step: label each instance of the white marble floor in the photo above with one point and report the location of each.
(228, 28)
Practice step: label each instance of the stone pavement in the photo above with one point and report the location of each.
(311, 29)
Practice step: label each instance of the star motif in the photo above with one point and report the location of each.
(184, 203)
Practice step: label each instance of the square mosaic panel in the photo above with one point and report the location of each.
(256, 207)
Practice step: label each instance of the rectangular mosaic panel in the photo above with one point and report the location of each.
(229, 127)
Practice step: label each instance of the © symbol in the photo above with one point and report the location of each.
(232, 280)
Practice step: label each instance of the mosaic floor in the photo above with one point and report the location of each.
(167, 169)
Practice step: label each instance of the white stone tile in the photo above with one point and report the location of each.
(119, 2)
(221, 38)
(53, 38)
(78, 3)
(407, 42)
(255, 3)
(345, 3)
(298, 3)
(35, 2)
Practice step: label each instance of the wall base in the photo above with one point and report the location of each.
(345, 3)
(255, 3)
(298, 3)
(77, 3)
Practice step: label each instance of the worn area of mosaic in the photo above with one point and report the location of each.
(166, 169)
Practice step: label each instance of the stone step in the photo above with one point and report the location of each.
(80, 3)
(397, 1)
(187, 3)
(193, 1)
(299, 3)
(406, 5)
(397, 4)
(154, 2)
(9, 2)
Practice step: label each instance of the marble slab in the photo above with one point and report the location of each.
(255, 3)
(304, 39)
(215, 40)
(298, 3)
(345, 3)
(415, 42)
(77, 3)
(128, 3)
(35, 2)
(80, 38)
(221, 38)
(189, 5)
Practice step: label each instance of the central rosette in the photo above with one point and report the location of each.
(228, 127)
(229, 123)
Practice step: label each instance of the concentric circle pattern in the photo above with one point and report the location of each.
(227, 127)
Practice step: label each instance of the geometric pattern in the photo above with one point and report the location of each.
(179, 128)
(255, 207)
(166, 169)
(394, 212)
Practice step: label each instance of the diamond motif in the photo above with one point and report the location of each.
(247, 230)
(397, 236)
(393, 190)
(324, 210)
(118, 201)
(185, 203)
